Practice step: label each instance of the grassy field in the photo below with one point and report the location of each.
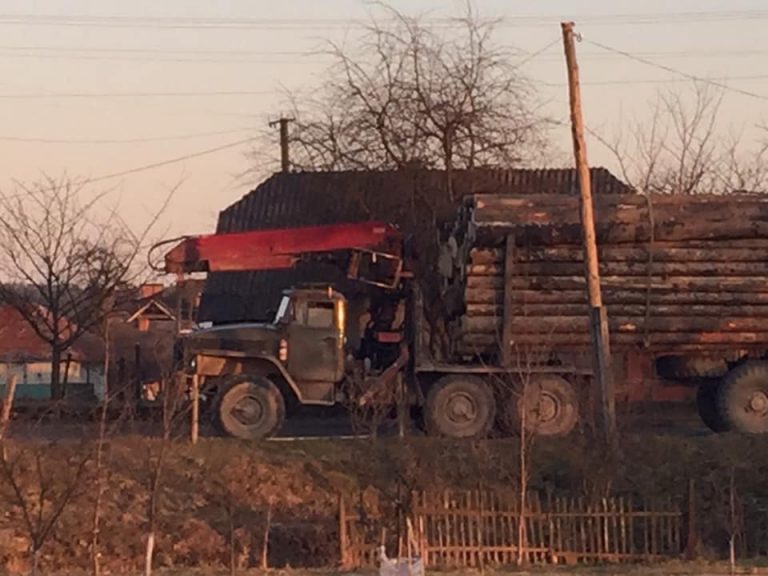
(300, 481)
(665, 569)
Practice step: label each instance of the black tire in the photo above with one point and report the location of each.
(460, 407)
(709, 409)
(552, 408)
(249, 407)
(743, 398)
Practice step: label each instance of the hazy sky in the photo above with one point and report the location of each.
(82, 82)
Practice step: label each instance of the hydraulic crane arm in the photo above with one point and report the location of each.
(285, 247)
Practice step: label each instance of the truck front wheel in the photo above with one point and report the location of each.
(743, 398)
(460, 407)
(249, 407)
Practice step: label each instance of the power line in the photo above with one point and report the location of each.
(163, 55)
(160, 55)
(137, 94)
(330, 23)
(654, 81)
(669, 54)
(537, 53)
(160, 164)
(123, 141)
(202, 60)
(678, 72)
(163, 51)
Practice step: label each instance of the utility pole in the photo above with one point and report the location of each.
(601, 349)
(285, 162)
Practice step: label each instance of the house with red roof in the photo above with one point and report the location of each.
(26, 355)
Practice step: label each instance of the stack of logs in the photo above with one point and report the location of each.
(677, 272)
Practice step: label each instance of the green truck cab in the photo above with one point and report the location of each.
(247, 372)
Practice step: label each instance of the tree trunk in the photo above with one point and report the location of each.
(5, 415)
(231, 535)
(448, 151)
(264, 564)
(57, 393)
(35, 560)
(149, 553)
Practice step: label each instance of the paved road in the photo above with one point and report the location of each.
(679, 421)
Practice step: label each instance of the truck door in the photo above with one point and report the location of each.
(315, 342)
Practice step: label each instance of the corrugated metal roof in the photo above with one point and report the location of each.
(414, 200)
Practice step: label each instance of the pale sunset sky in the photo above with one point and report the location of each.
(93, 88)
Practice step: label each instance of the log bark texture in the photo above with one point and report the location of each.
(697, 280)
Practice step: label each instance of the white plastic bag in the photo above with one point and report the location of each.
(399, 566)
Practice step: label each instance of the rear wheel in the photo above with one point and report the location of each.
(709, 410)
(249, 407)
(549, 407)
(743, 398)
(460, 407)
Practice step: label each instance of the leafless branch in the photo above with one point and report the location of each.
(679, 149)
(65, 258)
(408, 95)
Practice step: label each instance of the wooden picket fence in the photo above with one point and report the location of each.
(471, 529)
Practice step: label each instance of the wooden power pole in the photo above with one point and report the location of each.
(285, 162)
(598, 317)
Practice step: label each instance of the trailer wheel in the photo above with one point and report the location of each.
(551, 408)
(460, 407)
(709, 410)
(249, 407)
(743, 398)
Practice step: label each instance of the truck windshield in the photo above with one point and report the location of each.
(284, 312)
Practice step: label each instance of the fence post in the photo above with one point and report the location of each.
(194, 429)
(692, 537)
(343, 551)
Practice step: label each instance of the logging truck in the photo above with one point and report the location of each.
(322, 349)
(684, 282)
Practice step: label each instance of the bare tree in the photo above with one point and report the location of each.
(744, 168)
(679, 149)
(408, 94)
(64, 258)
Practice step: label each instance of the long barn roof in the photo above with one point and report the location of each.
(313, 198)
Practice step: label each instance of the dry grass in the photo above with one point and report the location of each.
(303, 478)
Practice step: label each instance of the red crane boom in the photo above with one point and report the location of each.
(283, 247)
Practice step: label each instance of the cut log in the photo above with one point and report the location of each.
(756, 284)
(700, 341)
(547, 220)
(698, 279)
(548, 325)
(721, 251)
(637, 310)
(706, 269)
(617, 297)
